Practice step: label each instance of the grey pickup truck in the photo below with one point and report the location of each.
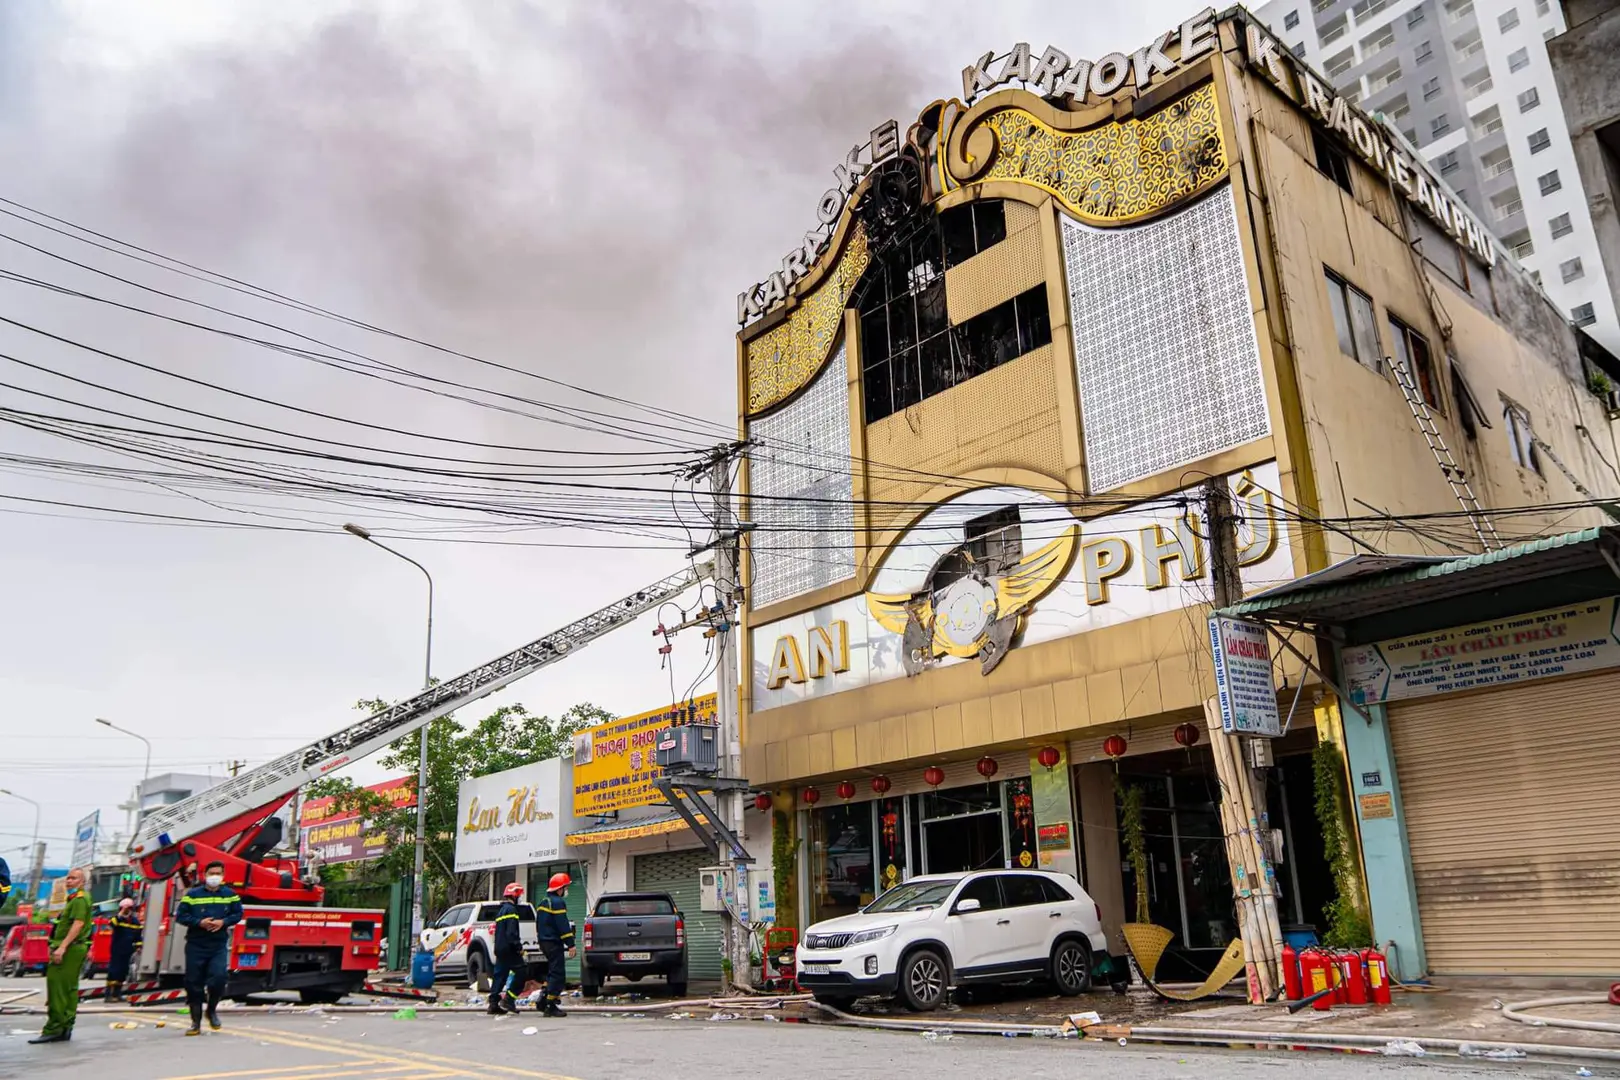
(631, 935)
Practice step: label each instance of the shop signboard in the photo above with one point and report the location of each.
(615, 764)
(84, 839)
(333, 835)
(400, 793)
(511, 818)
(1538, 645)
(1243, 682)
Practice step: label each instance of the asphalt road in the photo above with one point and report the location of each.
(377, 1047)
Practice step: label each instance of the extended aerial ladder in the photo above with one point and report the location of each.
(234, 821)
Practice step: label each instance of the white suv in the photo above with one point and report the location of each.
(919, 939)
(462, 942)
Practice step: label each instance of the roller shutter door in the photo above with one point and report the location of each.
(676, 872)
(1512, 805)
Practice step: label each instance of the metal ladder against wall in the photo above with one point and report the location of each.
(1484, 528)
(1609, 508)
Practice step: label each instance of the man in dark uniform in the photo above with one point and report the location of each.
(508, 952)
(126, 938)
(556, 936)
(70, 942)
(208, 911)
(5, 883)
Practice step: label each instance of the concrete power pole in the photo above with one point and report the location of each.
(1243, 795)
(727, 585)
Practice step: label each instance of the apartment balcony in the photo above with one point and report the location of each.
(1469, 49)
(1459, 12)
(1504, 211)
(1494, 169)
(1477, 89)
(1334, 33)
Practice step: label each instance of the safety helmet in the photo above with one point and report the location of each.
(126, 902)
(559, 881)
(513, 891)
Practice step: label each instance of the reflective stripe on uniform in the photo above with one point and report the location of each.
(498, 918)
(209, 899)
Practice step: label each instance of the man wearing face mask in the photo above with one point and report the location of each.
(208, 911)
(556, 936)
(70, 941)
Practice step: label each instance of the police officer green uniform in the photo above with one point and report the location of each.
(208, 947)
(70, 942)
(556, 936)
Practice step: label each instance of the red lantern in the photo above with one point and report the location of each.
(762, 801)
(846, 789)
(1114, 746)
(1049, 756)
(934, 776)
(812, 796)
(1187, 735)
(987, 767)
(880, 784)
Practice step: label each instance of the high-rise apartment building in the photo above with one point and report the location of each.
(1469, 84)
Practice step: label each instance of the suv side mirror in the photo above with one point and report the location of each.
(965, 906)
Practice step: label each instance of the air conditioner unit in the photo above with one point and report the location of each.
(1612, 401)
(714, 886)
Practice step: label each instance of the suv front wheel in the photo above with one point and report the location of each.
(923, 981)
(1071, 968)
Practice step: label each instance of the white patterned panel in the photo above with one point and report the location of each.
(805, 538)
(1164, 341)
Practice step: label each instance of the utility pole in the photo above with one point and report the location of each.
(235, 767)
(1243, 794)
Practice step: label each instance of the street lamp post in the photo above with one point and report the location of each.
(422, 741)
(34, 862)
(146, 772)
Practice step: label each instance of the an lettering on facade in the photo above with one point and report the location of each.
(757, 300)
(1054, 74)
(829, 655)
(1408, 175)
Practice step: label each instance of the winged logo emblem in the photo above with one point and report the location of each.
(976, 613)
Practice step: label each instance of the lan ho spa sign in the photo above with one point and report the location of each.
(511, 818)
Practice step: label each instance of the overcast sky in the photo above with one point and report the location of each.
(577, 190)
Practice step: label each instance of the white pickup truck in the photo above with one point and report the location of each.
(462, 942)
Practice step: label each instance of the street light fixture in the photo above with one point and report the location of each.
(422, 757)
(146, 772)
(34, 861)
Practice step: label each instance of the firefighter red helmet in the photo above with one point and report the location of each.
(559, 881)
(513, 891)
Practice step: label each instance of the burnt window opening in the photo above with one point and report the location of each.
(1333, 162)
(970, 228)
(996, 539)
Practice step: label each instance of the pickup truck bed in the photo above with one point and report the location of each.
(631, 935)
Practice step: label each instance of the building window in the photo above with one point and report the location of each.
(1518, 59)
(1521, 437)
(1431, 87)
(1439, 125)
(1290, 20)
(1539, 141)
(1299, 50)
(1414, 17)
(1529, 99)
(1340, 64)
(1560, 226)
(1448, 162)
(970, 228)
(1335, 163)
(1413, 350)
(1353, 321)
(1425, 52)
(1508, 20)
(1543, 6)
(1583, 314)
(1549, 182)
(1572, 270)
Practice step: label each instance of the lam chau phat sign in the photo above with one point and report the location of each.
(1243, 683)
(1538, 645)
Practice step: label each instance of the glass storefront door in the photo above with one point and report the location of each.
(963, 829)
(842, 873)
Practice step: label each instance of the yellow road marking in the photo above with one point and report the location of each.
(444, 1065)
(279, 1072)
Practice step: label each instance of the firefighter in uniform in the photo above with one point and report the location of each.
(556, 936)
(70, 942)
(208, 911)
(508, 952)
(5, 883)
(126, 938)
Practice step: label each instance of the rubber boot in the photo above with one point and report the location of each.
(554, 1009)
(196, 1020)
(213, 1006)
(494, 1007)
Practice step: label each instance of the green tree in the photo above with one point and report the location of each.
(506, 738)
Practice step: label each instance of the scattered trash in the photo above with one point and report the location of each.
(607, 1044)
(1504, 1053)
(473, 999)
(407, 1013)
(123, 1025)
(531, 1031)
(680, 1016)
(719, 1016)
(1403, 1048)
(161, 1023)
(1009, 1034)
(1496, 1003)
(938, 1036)
(20, 1031)
(1583, 1071)
(1076, 1023)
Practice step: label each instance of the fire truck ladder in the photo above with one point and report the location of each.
(1484, 528)
(257, 787)
(1608, 507)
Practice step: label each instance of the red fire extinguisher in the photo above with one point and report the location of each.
(1377, 976)
(1355, 977)
(1315, 977)
(1292, 987)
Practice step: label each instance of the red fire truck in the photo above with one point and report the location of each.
(286, 939)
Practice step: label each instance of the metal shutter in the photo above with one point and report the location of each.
(1512, 805)
(676, 872)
